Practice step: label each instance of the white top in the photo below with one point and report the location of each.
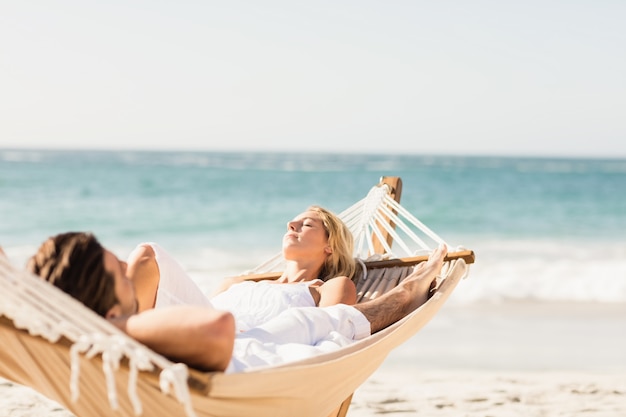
(254, 303)
(175, 286)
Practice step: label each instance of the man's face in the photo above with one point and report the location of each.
(124, 288)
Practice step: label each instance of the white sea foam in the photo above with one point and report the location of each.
(545, 271)
(512, 270)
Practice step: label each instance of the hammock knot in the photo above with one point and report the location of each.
(139, 360)
(176, 376)
(112, 350)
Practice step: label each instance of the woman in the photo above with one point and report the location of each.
(317, 248)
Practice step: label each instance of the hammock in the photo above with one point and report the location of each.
(53, 344)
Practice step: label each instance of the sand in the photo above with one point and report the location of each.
(436, 393)
(480, 394)
(508, 360)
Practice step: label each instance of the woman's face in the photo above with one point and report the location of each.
(306, 237)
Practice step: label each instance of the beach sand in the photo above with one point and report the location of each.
(518, 359)
(489, 393)
(436, 393)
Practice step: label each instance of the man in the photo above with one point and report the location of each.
(77, 264)
(204, 337)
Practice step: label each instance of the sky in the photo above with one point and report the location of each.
(520, 78)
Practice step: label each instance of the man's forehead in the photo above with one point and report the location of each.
(111, 263)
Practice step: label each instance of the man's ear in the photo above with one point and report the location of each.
(114, 312)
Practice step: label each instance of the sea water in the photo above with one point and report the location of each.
(543, 229)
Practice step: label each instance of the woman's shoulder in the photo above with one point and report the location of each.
(337, 290)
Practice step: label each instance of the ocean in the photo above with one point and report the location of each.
(543, 229)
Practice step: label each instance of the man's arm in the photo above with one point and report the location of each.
(405, 297)
(201, 337)
(143, 270)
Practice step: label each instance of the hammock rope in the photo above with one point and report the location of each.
(32, 305)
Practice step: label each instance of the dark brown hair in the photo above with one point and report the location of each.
(74, 262)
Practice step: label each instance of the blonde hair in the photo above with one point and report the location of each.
(340, 262)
